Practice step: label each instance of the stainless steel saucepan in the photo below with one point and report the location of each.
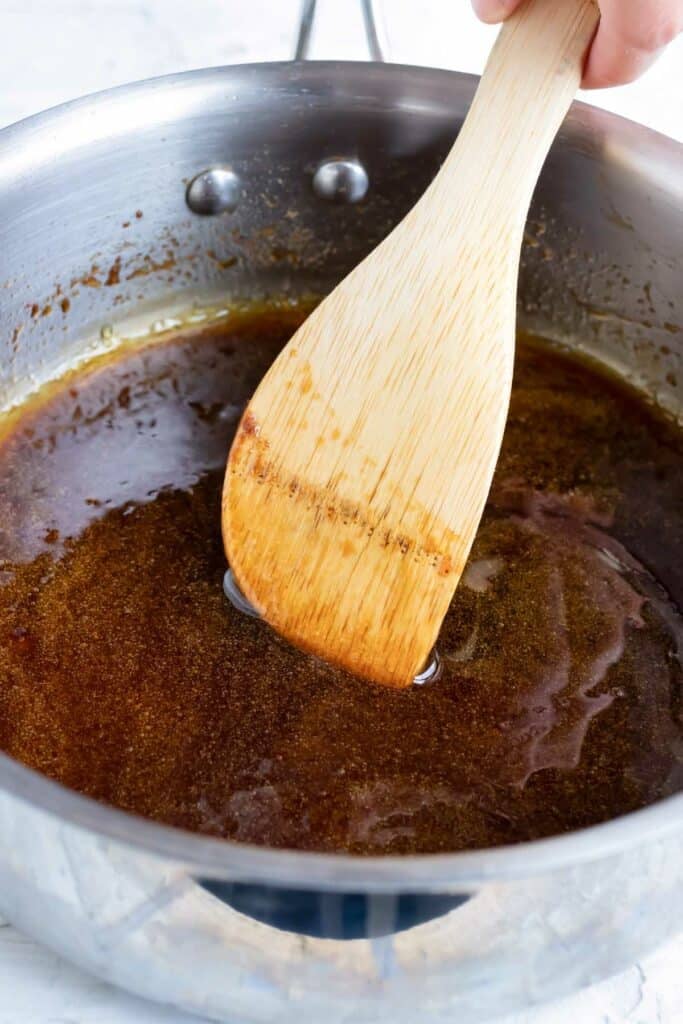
(116, 211)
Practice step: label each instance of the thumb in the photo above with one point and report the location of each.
(630, 36)
(493, 11)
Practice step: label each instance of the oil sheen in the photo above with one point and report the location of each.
(125, 674)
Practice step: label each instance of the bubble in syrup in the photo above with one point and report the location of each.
(236, 597)
(429, 674)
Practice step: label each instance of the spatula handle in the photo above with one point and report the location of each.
(530, 79)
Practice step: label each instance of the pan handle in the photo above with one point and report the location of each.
(307, 19)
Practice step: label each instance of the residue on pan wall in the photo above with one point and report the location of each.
(133, 330)
(101, 274)
(619, 311)
(97, 277)
(114, 275)
(88, 280)
(269, 245)
(150, 266)
(36, 311)
(282, 243)
(224, 263)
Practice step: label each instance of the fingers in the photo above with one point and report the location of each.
(493, 11)
(630, 36)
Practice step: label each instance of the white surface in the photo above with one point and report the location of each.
(37, 987)
(54, 50)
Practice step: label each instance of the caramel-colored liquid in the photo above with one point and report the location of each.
(126, 674)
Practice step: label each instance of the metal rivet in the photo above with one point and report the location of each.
(213, 191)
(341, 181)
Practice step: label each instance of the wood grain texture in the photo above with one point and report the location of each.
(360, 470)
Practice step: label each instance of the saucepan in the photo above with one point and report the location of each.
(122, 210)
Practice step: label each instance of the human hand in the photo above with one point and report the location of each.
(630, 36)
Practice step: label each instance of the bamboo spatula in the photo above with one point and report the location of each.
(361, 466)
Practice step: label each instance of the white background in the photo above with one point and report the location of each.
(54, 50)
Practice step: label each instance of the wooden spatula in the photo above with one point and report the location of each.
(361, 467)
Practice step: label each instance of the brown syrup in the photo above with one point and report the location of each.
(125, 673)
